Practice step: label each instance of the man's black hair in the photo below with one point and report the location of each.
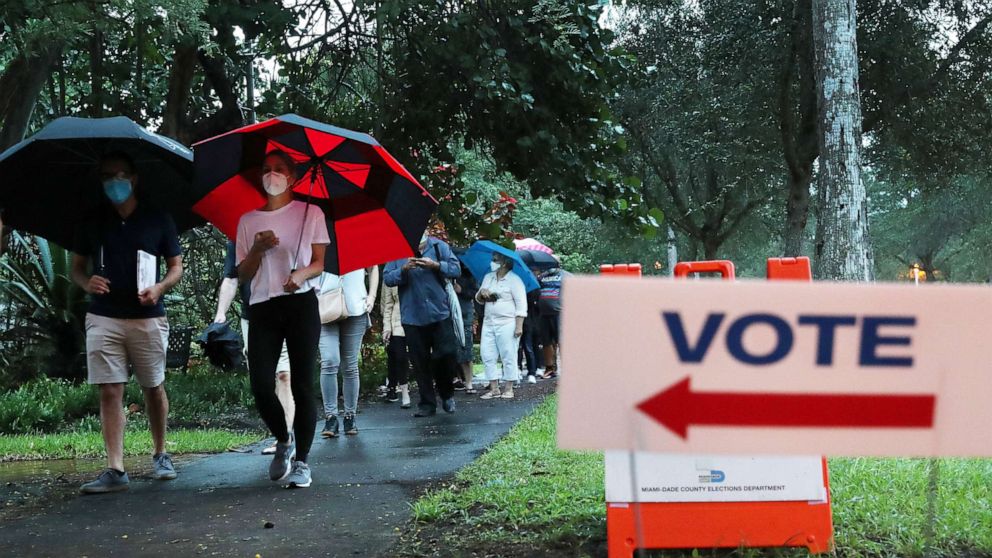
(121, 157)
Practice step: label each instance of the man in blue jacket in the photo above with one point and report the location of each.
(426, 318)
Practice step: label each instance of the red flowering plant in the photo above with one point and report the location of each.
(461, 216)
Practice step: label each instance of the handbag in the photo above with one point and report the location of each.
(331, 304)
(458, 324)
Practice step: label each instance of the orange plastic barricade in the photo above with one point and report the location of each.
(630, 526)
(796, 269)
(724, 267)
(628, 270)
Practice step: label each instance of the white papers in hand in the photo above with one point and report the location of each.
(147, 265)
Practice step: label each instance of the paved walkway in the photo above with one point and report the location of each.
(219, 505)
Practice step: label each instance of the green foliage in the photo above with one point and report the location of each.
(374, 367)
(583, 244)
(47, 311)
(942, 229)
(50, 405)
(704, 141)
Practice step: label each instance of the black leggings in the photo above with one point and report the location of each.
(398, 361)
(295, 320)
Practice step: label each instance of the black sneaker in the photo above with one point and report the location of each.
(330, 427)
(349, 425)
(392, 396)
(423, 412)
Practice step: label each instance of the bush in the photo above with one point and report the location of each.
(374, 367)
(47, 405)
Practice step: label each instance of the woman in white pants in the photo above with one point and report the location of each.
(503, 293)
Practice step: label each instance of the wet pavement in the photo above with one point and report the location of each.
(225, 505)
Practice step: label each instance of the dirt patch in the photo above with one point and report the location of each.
(450, 539)
(236, 420)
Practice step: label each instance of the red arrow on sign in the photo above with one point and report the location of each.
(678, 407)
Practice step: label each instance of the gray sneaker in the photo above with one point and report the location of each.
(299, 477)
(108, 481)
(162, 467)
(283, 459)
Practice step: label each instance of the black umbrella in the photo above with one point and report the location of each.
(222, 346)
(49, 181)
(538, 260)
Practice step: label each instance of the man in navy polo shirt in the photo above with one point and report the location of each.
(126, 329)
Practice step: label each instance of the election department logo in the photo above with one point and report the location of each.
(712, 476)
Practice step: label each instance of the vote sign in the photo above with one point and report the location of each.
(776, 367)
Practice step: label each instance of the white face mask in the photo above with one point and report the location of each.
(275, 183)
(494, 266)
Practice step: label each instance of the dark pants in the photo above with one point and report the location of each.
(549, 336)
(527, 347)
(295, 320)
(432, 350)
(397, 361)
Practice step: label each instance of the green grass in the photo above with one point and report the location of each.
(525, 491)
(523, 488)
(83, 444)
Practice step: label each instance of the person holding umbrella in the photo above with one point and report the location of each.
(505, 298)
(271, 242)
(126, 327)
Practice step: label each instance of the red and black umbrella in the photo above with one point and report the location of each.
(376, 211)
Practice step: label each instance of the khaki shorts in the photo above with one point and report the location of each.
(116, 346)
(281, 366)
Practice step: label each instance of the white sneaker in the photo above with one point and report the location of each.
(531, 380)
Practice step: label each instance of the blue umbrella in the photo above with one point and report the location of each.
(480, 254)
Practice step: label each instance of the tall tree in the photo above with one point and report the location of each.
(843, 245)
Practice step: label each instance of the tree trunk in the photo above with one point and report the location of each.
(20, 84)
(62, 89)
(843, 246)
(139, 59)
(796, 215)
(96, 74)
(800, 138)
(711, 246)
(180, 83)
(673, 253)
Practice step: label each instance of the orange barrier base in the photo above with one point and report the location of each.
(718, 525)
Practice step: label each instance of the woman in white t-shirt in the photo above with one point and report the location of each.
(280, 250)
(505, 298)
(340, 343)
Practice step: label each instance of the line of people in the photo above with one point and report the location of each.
(277, 266)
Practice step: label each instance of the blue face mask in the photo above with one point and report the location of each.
(118, 190)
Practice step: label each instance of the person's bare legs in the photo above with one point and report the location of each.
(112, 423)
(285, 395)
(467, 374)
(157, 405)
